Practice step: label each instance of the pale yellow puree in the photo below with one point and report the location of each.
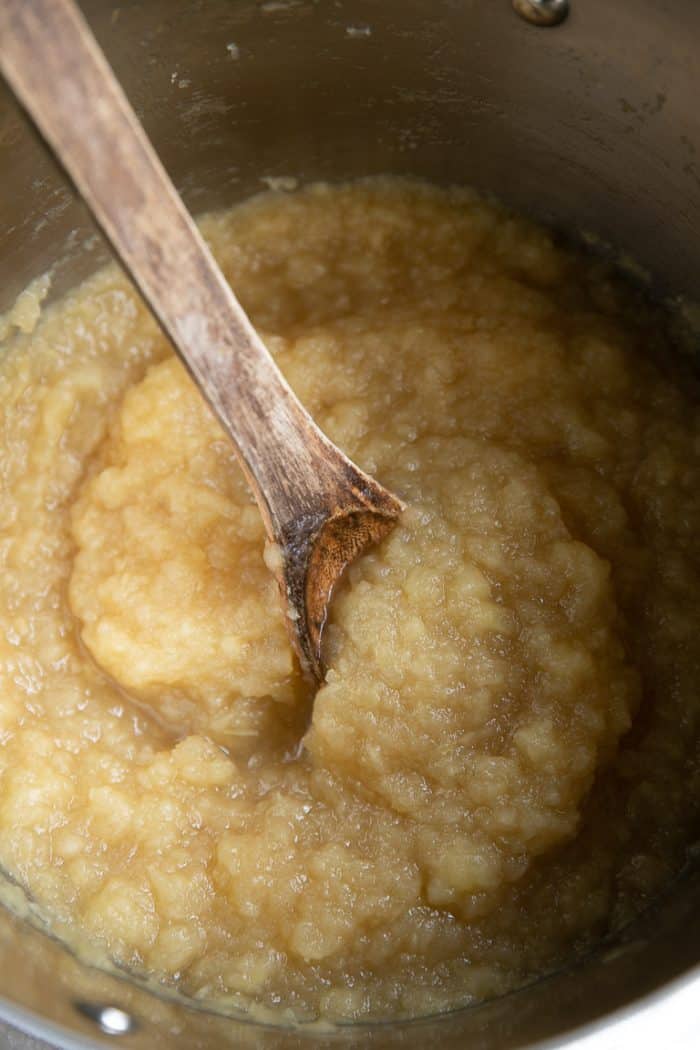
(502, 764)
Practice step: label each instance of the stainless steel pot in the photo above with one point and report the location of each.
(592, 125)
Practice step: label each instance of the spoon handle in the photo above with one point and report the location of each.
(54, 65)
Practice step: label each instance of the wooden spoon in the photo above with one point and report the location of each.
(320, 510)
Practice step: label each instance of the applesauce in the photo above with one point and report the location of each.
(501, 766)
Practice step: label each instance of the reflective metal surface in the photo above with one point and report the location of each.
(592, 124)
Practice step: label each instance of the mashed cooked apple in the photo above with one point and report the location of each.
(502, 763)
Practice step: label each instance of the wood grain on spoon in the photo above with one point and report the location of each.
(320, 510)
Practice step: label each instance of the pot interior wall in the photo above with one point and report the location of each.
(591, 126)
